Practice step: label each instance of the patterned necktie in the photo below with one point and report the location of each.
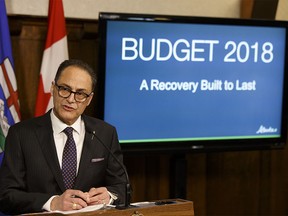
(69, 159)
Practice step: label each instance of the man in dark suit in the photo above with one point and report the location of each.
(32, 175)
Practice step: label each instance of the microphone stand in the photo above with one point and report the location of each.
(126, 204)
(127, 199)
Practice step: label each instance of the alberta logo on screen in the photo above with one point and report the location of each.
(264, 130)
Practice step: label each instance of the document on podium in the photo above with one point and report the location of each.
(86, 209)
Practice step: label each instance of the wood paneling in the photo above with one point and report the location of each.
(197, 181)
(259, 9)
(246, 8)
(264, 9)
(233, 183)
(279, 182)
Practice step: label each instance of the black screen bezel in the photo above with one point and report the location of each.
(195, 146)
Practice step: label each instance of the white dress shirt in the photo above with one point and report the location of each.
(60, 137)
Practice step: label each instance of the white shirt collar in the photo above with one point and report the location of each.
(59, 126)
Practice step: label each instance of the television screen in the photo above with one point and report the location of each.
(178, 83)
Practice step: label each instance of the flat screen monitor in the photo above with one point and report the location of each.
(193, 83)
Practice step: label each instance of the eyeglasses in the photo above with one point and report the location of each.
(65, 92)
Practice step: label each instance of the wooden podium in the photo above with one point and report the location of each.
(177, 207)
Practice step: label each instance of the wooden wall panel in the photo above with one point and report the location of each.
(149, 176)
(279, 182)
(27, 45)
(265, 182)
(233, 183)
(264, 9)
(246, 8)
(197, 181)
(136, 168)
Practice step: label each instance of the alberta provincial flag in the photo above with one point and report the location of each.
(9, 104)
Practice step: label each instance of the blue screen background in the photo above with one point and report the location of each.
(157, 115)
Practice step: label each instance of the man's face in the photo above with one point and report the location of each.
(77, 80)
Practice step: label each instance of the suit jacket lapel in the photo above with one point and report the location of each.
(46, 141)
(85, 159)
(90, 148)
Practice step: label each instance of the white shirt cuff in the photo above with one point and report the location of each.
(113, 198)
(47, 205)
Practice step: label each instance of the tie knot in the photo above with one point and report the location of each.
(68, 131)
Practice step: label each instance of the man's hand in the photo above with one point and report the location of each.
(70, 200)
(98, 196)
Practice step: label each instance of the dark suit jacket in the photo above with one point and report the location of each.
(30, 173)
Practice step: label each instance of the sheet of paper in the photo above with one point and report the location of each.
(86, 209)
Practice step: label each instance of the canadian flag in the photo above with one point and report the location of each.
(56, 51)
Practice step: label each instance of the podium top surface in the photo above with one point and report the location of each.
(169, 207)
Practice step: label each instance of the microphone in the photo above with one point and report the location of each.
(127, 187)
